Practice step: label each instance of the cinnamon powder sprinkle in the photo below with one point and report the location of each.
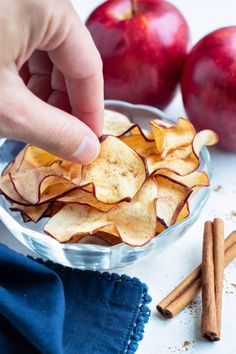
(186, 344)
(217, 188)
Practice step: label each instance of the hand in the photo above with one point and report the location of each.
(51, 85)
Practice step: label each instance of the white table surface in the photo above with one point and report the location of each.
(162, 272)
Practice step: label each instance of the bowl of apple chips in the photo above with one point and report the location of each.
(144, 190)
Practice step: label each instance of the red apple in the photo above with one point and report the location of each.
(209, 85)
(143, 45)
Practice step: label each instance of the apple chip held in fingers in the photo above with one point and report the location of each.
(135, 222)
(117, 174)
(115, 123)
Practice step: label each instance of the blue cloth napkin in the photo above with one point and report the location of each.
(50, 309)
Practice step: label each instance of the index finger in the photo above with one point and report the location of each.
(78, 59)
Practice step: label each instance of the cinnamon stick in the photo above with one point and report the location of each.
(186, 291)
(218, 256)
(212, 279)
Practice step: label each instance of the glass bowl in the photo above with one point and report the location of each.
(87, 256)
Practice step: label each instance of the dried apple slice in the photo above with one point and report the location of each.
(173, 161)
(54, 208)
(42, 184)
(117, 173)
(7, 189)
(33, 213)
(37, 157)
(184, 213)
(27, 182)
(15, 165)
(145, 132)
(192, 162)
(57, 190)
(75, 220)
(110, 239)
(135, 222)
(171, 137)
(110, 229)
(115, 123)
(171, 198)
(192, 180)
(160, 227)
(7, 169)
(185, 165)
(100, 238)
(92, 240)
(82, 197)
(141, 145)
(25, 217)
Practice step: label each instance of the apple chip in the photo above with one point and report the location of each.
(57, 190)
(16, 165)
(185, 160)
(194, 179)
(46, 182)
(100, 238)
(27, 183)
(146, 134)
(173, 161)
(7, 169)
(55, 207)
(204, 138)
(171, 198)
(37, 157)
(115, 123)
(32, 157)
(24, 217)
(33, 213)
(110, 239)
(82, 197)
(117, 173)
(160, 227)
(184, 213)
(169, 137)
(135, 222)
(140, 144)
(7, 189)
(192, 162)
(110, 229)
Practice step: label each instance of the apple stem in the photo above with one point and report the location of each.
(134, 7)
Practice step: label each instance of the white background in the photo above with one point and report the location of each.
(163, 272)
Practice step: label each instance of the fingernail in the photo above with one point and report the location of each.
(87, 151)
